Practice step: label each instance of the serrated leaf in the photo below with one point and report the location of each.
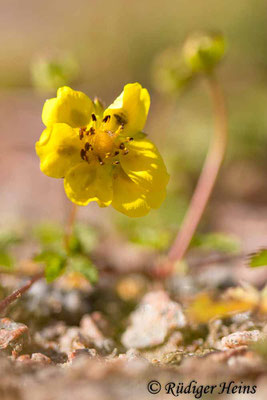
(6, 260)
(55, 264)
(84, 266)
(258, 259)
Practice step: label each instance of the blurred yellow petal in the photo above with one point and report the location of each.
(128, 197)
(145, 166)
(129, 109)
(89, 182)
(204, 308)
(58, 149)
(70, 107)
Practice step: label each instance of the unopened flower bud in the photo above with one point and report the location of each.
(202, 52)
(170, 73)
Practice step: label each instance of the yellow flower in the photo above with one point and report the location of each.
(103, 156)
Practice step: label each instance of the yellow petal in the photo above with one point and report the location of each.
(70, 107)
(145, 166)
(89, 182)
(128, 197)
(58, 149)
(130, 109)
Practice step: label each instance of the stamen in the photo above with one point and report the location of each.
(87, 146)
(116, 153)
(122, 146)
(130, 139)
(92, 131)
(100, 161)
(106, 119)
(116, 162)
(83, 154)
(81, 132)
(93, 117)
(125, 152)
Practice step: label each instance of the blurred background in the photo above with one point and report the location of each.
(98, 47)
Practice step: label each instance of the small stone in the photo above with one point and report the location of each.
(89, 328)
(240, 339)
(72, 340)
(155, 318)
(35, 358)
(81, 353)
(11, 333)
(41, 359)
(24, 358)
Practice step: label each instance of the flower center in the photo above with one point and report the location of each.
(101, 144)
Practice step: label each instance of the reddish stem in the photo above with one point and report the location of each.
(207, 178)
(17, 293)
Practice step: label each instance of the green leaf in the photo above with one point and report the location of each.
(9, 238)
(55, 264)
(74, 246)
(258, 259)
(6, 260)
(216, 242)
(84, 266)
(86, 236)
(48, 233)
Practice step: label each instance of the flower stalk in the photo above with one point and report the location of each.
(207, 177)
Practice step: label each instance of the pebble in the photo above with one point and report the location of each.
(154, 319)
(11, 333)
(238, 338)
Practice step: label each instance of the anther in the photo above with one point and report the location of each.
(83, 154)
(116, 153)
(122, 146)
(125, 152)
(116, 162)
(81, 132)
(106, 119)
(92, 131)
(130, 139)
(93, 117)
(100, 161)
(87, 146)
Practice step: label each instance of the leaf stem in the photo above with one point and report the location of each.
(207, 177)
(17, 293)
